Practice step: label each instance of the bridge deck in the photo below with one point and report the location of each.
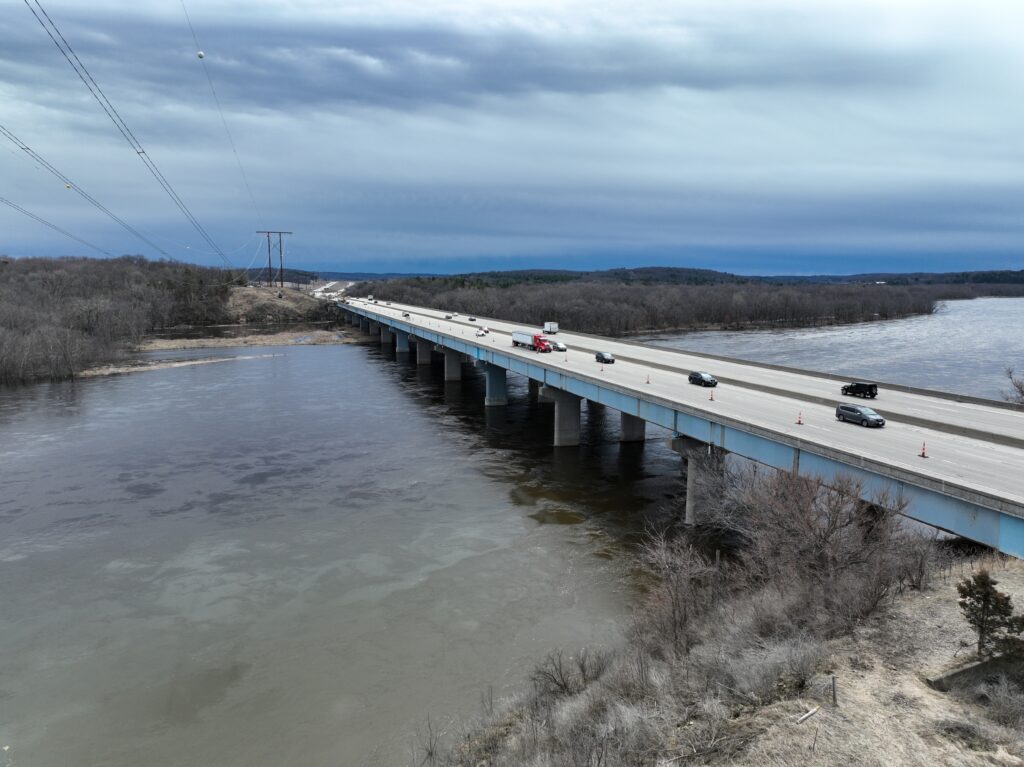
(975, 449)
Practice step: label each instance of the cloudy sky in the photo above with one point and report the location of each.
(418, 135)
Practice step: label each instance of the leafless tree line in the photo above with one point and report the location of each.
(615, 308)
(716, 635)
(59, 316)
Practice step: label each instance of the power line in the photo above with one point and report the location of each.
(64, 47)
(220, 109)
(76, 188)
(55, 228)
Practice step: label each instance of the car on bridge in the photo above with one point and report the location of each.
(702, 379)
(405, 314)
(447, 316)
(861, 414)
(861, 389)
(604, 358)
(558, 346)
(480, 333)
(472, 319)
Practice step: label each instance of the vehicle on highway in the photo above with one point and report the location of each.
(551, 327)
(369, 297)
(701, 378)
(861, 389)
(405, 314)
(530, 340)
(604, 358)
(480, 333)
(861, 414)
(558, 346)
(447, 316)
(486, 330)
(472, 319)
(387, 303)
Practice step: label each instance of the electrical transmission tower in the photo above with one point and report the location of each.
(280, 256)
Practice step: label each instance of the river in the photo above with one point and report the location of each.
(295, 557)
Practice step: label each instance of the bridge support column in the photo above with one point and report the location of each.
(401, 342)
(567, 416)
(691, 451)
(423, 352)
(386, 336)
(497, 386)
(534, 391)
(632, 428)
(364, 325)
(452, 365)
(374, 328)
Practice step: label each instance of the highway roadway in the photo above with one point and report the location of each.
(973, 445)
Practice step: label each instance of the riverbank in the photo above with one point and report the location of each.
(138, 366)
(283, 338)
(737, 662)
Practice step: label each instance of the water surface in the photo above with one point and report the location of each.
(294, 557)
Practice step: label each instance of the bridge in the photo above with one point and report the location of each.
(957, 460)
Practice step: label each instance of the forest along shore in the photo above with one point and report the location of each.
(62, 316)
(625, 301)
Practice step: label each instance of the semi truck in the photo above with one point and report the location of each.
(530, 340)
(551, 327)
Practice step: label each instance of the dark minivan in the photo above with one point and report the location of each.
(861, 389)
(865, 416)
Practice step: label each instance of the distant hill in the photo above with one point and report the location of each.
(1002, 277)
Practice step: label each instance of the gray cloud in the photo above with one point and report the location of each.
(414, 135)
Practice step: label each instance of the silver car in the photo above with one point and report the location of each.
(861, 414)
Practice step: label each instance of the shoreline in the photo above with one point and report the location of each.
(281, 338)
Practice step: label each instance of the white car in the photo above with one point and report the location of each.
(480, 333)
(485, 330)
(558, 346)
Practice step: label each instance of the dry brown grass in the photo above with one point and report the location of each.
(724, 657)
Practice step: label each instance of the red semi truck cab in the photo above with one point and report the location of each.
(530, 340)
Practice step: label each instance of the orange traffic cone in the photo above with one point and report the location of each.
(648, 378)
(799, 419)
(924, 451)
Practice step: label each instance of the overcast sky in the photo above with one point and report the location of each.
(752, 136)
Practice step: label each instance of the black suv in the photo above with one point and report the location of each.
(604, 358)
(702, 379)
(865, 416)
(861, 389)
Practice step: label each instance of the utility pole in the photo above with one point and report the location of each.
(280, 256)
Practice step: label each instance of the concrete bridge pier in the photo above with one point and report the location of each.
(452, 365)
(364, 325)
(534, 390)
(497, 386)
(374, 328)
(692, 452)
(423, 351)
(632, 428)
(401, 342)
(386, 336)
(567, 416)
